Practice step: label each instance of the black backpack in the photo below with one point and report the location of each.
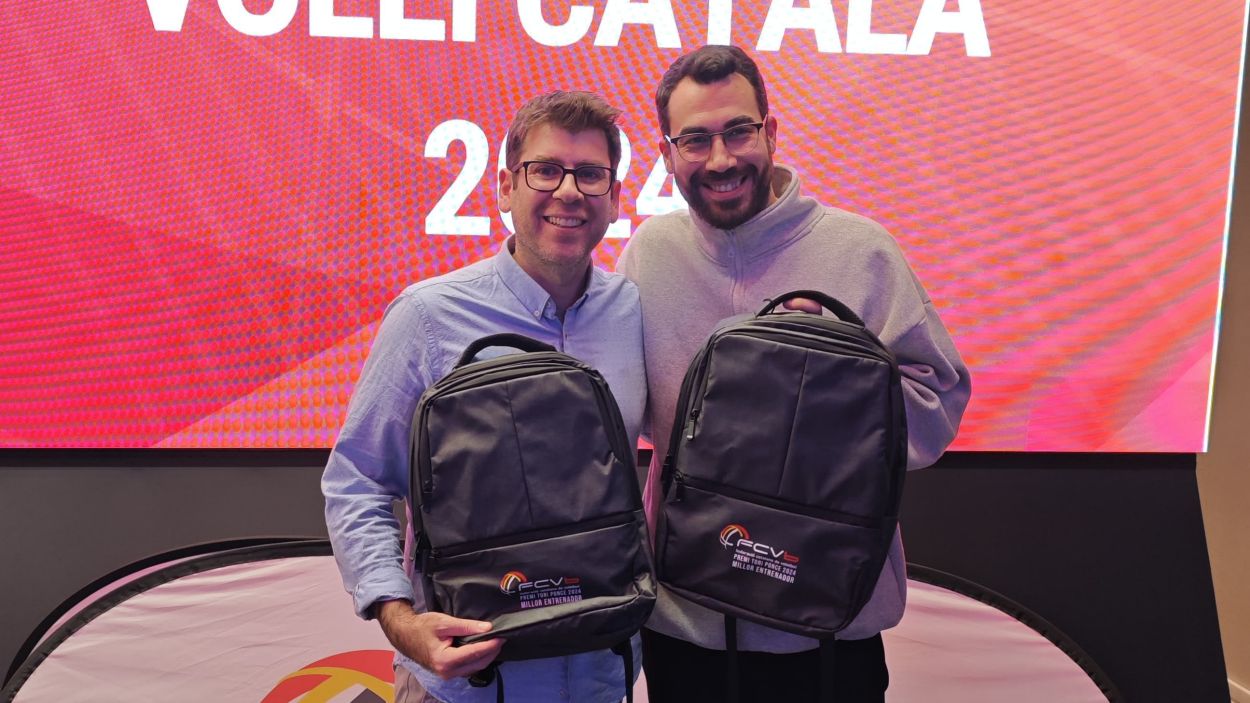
(526, 505)
(784, 473)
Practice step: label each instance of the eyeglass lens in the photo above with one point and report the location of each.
(590, 180)
(738, 141)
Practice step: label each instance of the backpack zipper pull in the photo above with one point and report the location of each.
(694, 416)
(423, 553)
(679, 491)
(427, 492)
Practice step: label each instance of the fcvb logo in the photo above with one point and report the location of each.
(736, 536)
(731, 535)
(511, 582)
(515, 582)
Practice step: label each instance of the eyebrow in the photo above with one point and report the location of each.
(730, 124)
(553, 160)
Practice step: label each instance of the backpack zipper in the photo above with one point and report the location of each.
(599, 523)
(690, 424)
(683, 480)
(693, 374)
(815, 341)
(611, 414)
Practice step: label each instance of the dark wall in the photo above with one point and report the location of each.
(67, 518)
(1108, 548)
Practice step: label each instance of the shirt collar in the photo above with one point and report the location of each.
(535, 298)
(771, 227)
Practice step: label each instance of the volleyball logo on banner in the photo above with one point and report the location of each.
(362, 676)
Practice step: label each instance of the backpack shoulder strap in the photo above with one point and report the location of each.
(826, 670)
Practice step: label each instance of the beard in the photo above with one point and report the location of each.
(549, 250)
(732, 213)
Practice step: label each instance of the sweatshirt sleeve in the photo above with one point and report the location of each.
(936, 383)
(936, 387)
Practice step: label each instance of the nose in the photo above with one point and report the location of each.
(567, 190)
(719, 158)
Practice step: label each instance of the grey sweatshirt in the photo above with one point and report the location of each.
(691, 276)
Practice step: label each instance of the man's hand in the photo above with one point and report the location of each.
(426, 638)
(803, 305)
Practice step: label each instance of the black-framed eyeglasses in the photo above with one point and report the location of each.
(697, 146)
(545, 176)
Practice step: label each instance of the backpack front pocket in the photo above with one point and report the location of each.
(792, 567)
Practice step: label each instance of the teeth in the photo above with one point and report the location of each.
(565, 221)
(726, 187)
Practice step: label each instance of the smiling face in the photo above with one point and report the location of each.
(556, 231)
(726, 190)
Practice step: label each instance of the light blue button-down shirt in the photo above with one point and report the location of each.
(419, 341)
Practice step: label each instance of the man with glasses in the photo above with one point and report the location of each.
(559, 183)
(750, 235)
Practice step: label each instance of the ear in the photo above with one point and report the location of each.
(770, 132)
(615, 200)
(504, 194)
(667, 153)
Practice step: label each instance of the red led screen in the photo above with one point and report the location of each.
(205, 205)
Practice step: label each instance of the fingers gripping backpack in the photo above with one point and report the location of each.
(784, 473)
(527, 510)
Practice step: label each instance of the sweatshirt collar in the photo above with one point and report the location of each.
(782, 221)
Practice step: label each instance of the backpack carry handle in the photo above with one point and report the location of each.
(829, 302)
(507, 339)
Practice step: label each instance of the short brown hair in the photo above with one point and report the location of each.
(572, 110)
(706, 65)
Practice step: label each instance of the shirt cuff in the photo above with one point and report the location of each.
(367, 593)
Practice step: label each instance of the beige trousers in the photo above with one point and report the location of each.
(409, 690)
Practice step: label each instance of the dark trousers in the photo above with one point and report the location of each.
(680, 672)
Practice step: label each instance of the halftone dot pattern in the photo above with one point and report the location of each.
(201, 229)
(303, 407)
